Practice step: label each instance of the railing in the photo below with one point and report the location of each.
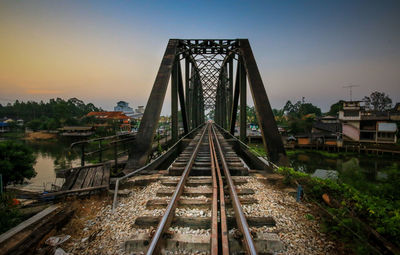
(265, 159)
(112, 144)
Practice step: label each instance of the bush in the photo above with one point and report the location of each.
(9, 213)
(381, 211)
(16, 162)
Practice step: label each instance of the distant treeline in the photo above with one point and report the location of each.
(49, 115)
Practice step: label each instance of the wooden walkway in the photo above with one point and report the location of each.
(83, 179)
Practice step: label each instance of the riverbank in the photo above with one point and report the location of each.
(366, 190)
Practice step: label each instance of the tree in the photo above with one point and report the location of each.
(378, 101)
(251, 115)
(335, 108)
(300, 109)
(308, 108)
(34, 124)
(16, 162)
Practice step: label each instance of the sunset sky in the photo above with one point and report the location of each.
(106, 51)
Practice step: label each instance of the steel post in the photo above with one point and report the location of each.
(142, 145)
(243, 104)
(269, 130)
(235, 102)
(230, 89)
(174, 102)
(182, 98)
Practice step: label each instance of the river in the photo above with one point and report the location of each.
(51, 155)
(354, 169)
(358, 170)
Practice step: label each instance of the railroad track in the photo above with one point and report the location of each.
(210, 174)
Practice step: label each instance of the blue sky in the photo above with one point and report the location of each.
(106, 51)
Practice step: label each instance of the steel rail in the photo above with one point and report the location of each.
(115, 199)
(165, 222)
(224, 227)
(239, 215)
(214, 208)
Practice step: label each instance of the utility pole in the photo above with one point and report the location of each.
(350, 87)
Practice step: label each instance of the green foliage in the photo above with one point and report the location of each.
(297, 118)
(16, 162)
(379, 208)
(9, 213)
(309, 216)
(52, 115)
(335, 108)
(34, 124)
(251, 115)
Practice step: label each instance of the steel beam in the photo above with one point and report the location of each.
(235, 102)
(182, 98)
(187, 91)
(269, 130)
(142, 145)
(230, 88)
(243, 103)
(174, 102)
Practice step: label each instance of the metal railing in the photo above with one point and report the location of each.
(265, 159)
(113, 145)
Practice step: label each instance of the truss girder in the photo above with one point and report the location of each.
(209, 84)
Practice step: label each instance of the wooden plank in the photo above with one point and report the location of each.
(99, 176)
(70, 180)
(26, 241)
(80, 179)
(203, 202)
(65, 192)
(89, 178)
(106, 175)
(199, 192)
(27, 223)
(201, 222)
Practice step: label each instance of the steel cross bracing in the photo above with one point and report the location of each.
(207, 76)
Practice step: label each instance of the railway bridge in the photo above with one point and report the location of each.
(213, 81)
(207, 84)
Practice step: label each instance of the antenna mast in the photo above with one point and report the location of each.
(351, 90)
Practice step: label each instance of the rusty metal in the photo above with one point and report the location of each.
(214, 206)
(165, 222)
(243, 104)
(235, 103)
(223, 219)
(269, 130)
(239, 214)
(149, 123)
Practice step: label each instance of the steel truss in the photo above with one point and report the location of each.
(207, 85)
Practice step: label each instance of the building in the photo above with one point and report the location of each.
(138, 114)
(116, 116)
(327, 130)
(123, 106)
(121, 118)
(4, 127)
(361, 125)
(74, 131)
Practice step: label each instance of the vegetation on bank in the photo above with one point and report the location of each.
(379, 209)
(50, 115)
(16, 162)
(10, 216)
(355, 202)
